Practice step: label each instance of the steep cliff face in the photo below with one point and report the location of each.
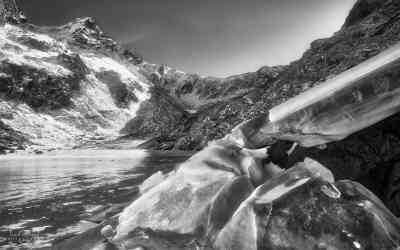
(362, 9)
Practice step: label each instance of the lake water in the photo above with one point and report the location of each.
(49, 197)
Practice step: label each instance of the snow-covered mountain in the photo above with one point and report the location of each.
(62, 86)
(68, 85)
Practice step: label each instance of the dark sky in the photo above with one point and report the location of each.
(211, 37)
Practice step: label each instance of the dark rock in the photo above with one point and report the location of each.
(157, 117)
(133, 56)
(33, 43)
(74, 63)
(36, 87)
(120, 92)
(7, 116)
(187, 143)
(87, 34)
(10, 139)
(362, 9)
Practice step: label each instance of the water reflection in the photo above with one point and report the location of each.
(29, 177)
(59, 194)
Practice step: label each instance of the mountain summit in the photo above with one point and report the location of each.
(63, 86)
(10, 12)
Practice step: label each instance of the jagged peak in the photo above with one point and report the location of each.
(85, 23)
(10, 12)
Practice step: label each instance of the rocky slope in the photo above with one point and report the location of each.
(209, 106)
(371, 27)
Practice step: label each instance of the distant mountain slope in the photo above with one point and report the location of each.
(372, 27)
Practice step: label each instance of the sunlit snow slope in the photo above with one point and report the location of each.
(62, 86)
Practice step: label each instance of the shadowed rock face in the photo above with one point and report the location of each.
(156, 117)
(362, 9)
(10, 139)
(37, 88)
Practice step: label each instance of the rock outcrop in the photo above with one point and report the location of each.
(10, 140)
(157, 117)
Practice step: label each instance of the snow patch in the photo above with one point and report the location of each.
(101, 64)
(20, 54)
(41, 129)
(98, 94)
